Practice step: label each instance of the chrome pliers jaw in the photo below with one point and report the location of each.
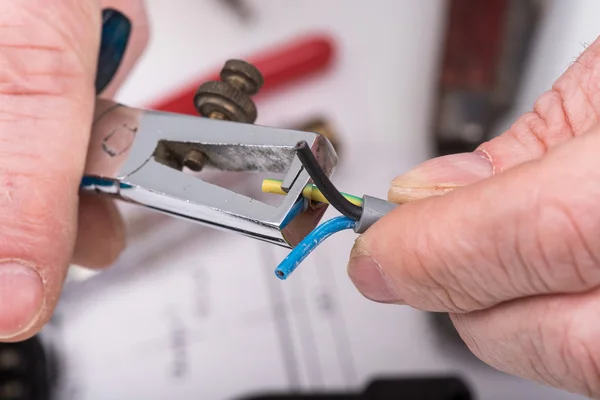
(138, 156)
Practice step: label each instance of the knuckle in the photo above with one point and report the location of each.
(579, 91)
(555, 122)
(569, 109)
(573, 103)
(547, 125)
(531, 130)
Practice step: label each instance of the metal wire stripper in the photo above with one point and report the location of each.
(138, 156)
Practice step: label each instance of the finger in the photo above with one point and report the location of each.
(530, 230)
(48, 58)
(570, 108)
(551, 339)
(101, 233)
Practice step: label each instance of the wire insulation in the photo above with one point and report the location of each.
(310, 242)
(310, 192)
(321, 181)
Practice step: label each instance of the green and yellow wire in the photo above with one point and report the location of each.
(310, 192)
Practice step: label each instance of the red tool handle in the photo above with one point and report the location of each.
(279, 66)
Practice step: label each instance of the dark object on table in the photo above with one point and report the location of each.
(24, 371)
(425, 388)
(241, 9)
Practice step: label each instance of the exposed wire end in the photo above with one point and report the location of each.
(310, 192)
(322, 182)
(310, 242)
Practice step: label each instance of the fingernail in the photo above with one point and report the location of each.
(368, 279)
(441, 175)
(116, 30)
(21, 298)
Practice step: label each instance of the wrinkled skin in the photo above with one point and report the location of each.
(48, 57)
(505, 239)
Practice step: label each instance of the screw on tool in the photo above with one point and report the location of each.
(228, 99)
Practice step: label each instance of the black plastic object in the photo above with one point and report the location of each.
(418, 388)
(24, 371)
(116, 29)
(322, 182)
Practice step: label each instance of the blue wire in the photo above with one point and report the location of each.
(310, 242)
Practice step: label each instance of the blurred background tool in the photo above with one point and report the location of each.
(484, 57)
(25, 371)
(417, 388)
(242, 10)
(322, 126)
(486, 46)
(279, 65)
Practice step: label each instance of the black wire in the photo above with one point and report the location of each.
(322, 182)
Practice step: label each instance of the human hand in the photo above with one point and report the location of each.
(511, 249)
(48, 57)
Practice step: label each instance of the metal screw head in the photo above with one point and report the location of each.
(221, 97)
(228, 99)
(243, 76)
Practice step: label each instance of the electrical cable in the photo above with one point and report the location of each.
(322, 182)
(310, 242)
(310, 192)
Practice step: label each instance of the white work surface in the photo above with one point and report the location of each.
(191, 313)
